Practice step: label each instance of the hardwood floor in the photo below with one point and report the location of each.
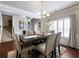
(5, 48)
(70, 53)
(9, 46)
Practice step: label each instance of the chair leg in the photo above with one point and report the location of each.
(45, 56)
(55, 53)
(52, 54)
(33, 53)
(59, 49)
(19, 55)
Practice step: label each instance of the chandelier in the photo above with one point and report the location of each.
(43, 13)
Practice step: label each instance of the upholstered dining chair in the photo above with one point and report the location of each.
(57, 43)
(19, 49)
(48, 47)
(18, 45)
(21, 38)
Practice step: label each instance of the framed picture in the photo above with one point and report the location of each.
(21, 25)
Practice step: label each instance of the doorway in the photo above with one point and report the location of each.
(7, 28)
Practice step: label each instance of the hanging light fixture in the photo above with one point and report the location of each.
(43, 13)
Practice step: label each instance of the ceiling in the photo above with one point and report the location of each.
(37, 6)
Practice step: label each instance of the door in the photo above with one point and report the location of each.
(7, 28)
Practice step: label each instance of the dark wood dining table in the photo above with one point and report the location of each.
(35, 39)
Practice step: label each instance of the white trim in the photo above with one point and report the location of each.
(13, 10)
(64, 12)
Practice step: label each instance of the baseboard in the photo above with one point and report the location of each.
(69, 46)
(77, 47)
(6, 41)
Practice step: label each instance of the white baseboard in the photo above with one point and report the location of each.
(6, 41)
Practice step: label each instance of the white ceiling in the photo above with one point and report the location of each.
(36, 6)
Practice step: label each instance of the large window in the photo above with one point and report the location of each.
(55, 26)
(66, 27)
(61, 25)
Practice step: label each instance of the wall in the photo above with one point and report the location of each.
(64, 13)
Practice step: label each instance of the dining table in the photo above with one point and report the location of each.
(35, 39)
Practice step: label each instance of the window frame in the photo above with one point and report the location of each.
(63, 29)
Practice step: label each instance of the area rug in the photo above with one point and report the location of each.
(26, 55)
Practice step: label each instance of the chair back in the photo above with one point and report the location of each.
(18, 44)
(52, 31)
(57, 40)
(50, 43)
(21, 37)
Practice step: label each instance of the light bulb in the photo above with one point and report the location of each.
(44, 12)
(38, 13)
(44, 16)
(48, 15)
(26, 21)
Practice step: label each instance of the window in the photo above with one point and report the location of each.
(61, 25)
(50, 25)
(55, 26)
(66, 27)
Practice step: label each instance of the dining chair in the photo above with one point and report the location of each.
(52, 31)
(48, 47)
(20, 50)
(57, 43)
(21, 38)
(18, 46)
(22, 46)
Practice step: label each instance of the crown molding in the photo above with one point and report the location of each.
(12, 10)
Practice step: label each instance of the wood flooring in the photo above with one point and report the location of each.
(9, 46)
